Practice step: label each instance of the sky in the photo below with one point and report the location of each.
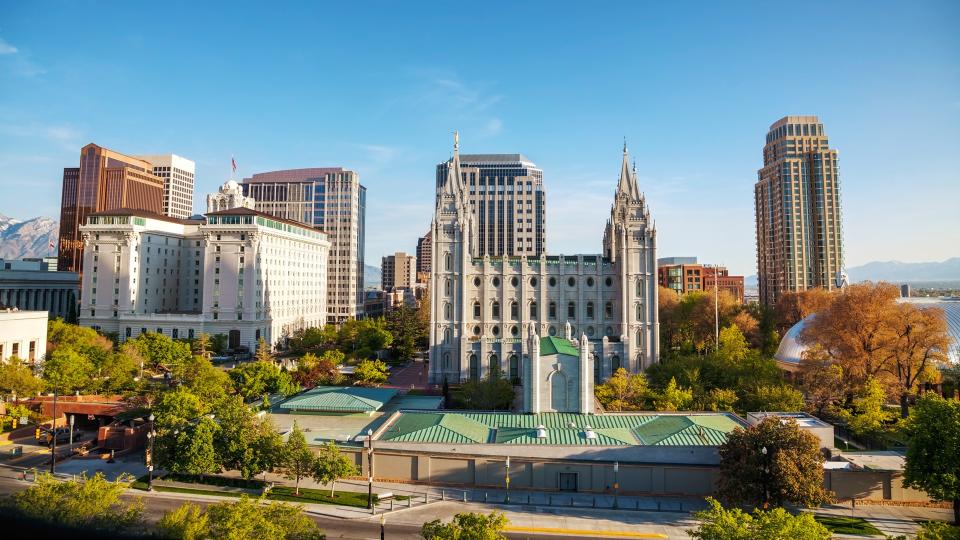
(379, 87)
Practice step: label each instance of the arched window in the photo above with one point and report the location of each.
(514, 281)
(514, 369)
(533, 282)
(639, 287)
(639, 342)
(552, 310)
(474, 367)
(639, 312)
(596, 369)
(571, 310)
(553, 330)
(589, 282)
(590, 331)
(447, 335)
(514, 310)
(447, 287)
(495, 309)
(533, 310)
(447, 262)
(614, 363)
(476, 310)
(589, 310)
(608, 331)
(448, 311)
(446, 361)
(608, 310)
(494, 366)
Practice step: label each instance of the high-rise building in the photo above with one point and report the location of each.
(398, 271)
(236, 271)
(797, 200)
(177, 173)
(332, 200)
(487, 314)
(105, 180)
(505, 192)
(424, 252)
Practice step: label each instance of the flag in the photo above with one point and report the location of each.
(51, 245)
(233, 163)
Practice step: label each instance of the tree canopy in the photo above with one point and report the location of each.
(370, 373)
(330, 465)
(719, 523)
(245, 519)
(467, 526)
(933, 450)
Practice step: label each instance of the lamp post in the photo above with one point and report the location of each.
(71, 430)
(764, 470)
(151, 436)
(616, 484)
(370, 469)
(53, 451)
(507, 500)
(383, 522)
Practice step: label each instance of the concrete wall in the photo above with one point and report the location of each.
(873, 485)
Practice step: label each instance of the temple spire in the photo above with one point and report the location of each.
(624, 185)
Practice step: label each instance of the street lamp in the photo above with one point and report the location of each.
(53, 451)
(370, 469)
(71, 430)
(616, 485)
(151, 436)
(383, 522)
(507, 499)
(764, 470)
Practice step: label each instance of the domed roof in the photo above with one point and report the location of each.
(791, 350)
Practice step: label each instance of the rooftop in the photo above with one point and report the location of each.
(562, 429)
(554, 345)
(468, 160)
(340, 399)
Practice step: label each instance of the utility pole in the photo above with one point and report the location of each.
(53, 451)
(370, 469)
(716, 305)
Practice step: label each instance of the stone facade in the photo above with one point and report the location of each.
(483, 307)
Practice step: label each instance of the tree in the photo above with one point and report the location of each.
(791, 469)
(66, 371)
(933, 450)
(867, 414)
(193, 449)
(312, 371)
(622, 391)
(17, 379)
(793, 307)
(921, 346)
(774, 397)
(160, 350)
(672, 397)
(299, 461)
(330, 466)
(254, 379)
(218, 343)
(370, 373)
(823, 381)
(244, 442)
(201, 345)
(733, 344)
(79, 338)
(467, 526)
(488, 394)
(202, 378)
(719, 523)
(937, 530)
(408, 330)
(245, 519)
(264, 354)
(88, 503)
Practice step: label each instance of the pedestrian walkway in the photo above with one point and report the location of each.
(891, 520)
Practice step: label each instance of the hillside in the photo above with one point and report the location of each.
(30, 238)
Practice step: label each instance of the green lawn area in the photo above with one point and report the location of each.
(847, 525)
(344, 498)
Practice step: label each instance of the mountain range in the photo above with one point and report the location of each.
(897, 272)
(30, 238)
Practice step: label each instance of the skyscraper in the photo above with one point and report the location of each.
(424, 251)
(797, 201)
(177, 173)
(332, 200)
(505, 193)
(105, 180)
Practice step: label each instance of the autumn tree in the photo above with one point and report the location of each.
(793, 307)
(324, 370)
(467, 526)
(920, 346)
(623, 391)
(823, 381)
(370, 373)
(772, 463)
(933, 450)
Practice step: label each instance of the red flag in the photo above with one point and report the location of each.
(51, 245)
(233, 163)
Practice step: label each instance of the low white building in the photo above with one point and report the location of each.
(23, 334)
(237, 272)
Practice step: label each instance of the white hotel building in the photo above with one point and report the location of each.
(237, 272)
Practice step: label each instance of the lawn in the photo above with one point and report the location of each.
(344, 498)
(848, 525)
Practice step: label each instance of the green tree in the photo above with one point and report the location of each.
(330, 466)
(254, 379)
(867, 416)
(370, 373)
(719, 523)
(201, 345)
(408, 329)
(936, 530)
(88, 503)
(733, 344)
(264, 354)
(66, 371)
(933, 450)
(175, 408)
(313, 371)
(244, 442)
(245, 519)
(193, 451)
(17, 379)
(160, 350)
(299, 461)
(490, 394)
(467, 526)
(673, 397)
(79, 338)
(775, 397)
(719, 399)
(773, 462)
(623, 391)
(203, 379)
(218, 343)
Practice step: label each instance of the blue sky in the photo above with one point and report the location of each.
(379, 88)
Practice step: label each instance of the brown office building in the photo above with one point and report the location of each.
(797, 201)
(685, 274)
(105, 180)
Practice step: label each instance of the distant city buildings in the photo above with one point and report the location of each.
(506, 195)
(35, 284)
(23, 334)
(178, 181)
(334, 201)
(424, 253)
(237, 272)
(798, 213)
(398, 271)
(685, 274)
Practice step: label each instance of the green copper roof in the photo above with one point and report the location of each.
(345, 399)
(563, 429)
(554, 345)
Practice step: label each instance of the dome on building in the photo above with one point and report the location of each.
(791, 350)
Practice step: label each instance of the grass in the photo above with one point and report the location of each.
(848, 525)
(343, 498)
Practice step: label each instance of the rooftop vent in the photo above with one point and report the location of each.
(541, 432)
(589, 433)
